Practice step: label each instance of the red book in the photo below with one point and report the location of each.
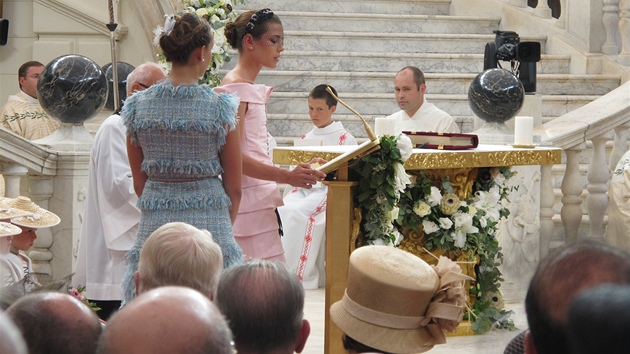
(442, 141)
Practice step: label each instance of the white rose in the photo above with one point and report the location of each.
(429, 227)
(405, 146)
(422, 209)
(202, 12)
(394, 213)
(460, 239)
(446, 223)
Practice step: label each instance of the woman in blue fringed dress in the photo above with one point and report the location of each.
(181, 138)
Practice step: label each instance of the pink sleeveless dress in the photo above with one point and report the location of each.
(256, 226)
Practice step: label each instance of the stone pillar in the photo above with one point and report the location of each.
(571, 212)
(624, 30)
(611, 24)
(542, 9)
(67, 201)
(598, 177)
(547, 200)
(13, 174)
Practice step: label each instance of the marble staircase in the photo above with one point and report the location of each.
(357, 46)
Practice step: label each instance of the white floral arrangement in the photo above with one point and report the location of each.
(218, 13)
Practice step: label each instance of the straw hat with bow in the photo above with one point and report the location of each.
(397, 303)
(38, 217)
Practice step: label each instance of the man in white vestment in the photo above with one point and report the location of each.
(304, 212)
(111, 217)
(416, 113)
(22, 114)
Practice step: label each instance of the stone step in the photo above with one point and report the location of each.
(383, 62)
(393, 42)
(386, 23)
(384, 103)
(442, 83)
(420, 7)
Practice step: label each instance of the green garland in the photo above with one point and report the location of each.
(468, 226)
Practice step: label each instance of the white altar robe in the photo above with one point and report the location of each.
(111, 217)
(428, 118)
(304, 217)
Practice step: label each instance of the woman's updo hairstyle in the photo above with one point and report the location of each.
(189, 33)
(249, 22)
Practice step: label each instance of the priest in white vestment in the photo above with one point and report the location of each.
(416, 113)
(304, 212)
(22, 114)
(110, 220)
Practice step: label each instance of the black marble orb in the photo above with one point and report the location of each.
(72, 88)
(124, 69)
(496, 95)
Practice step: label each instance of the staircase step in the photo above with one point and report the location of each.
(424, 7)
(383, 62)
(384, 103)
(386, 23)
(443, 83)
(393, 42)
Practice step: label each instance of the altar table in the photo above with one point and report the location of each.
(341, 226)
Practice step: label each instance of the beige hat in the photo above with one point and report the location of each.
(39, 217)
(7, 212)
(8, 229)
(398, 303)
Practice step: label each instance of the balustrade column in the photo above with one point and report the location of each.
(542, 9)
(610, 19)
(13, 174)
(547, 199)
(571, 212)
(562, 20)
(624, 30)
(41, 188)
(598, 176)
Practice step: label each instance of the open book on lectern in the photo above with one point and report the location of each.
(361, 150)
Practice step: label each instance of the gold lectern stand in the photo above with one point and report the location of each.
(342, 225)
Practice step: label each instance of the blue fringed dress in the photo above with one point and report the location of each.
(181, 130)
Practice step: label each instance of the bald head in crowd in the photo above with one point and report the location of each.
(11, 341)
(174, 320)
(559, 278)
(54, 322)
(264, 305)
(179, 254)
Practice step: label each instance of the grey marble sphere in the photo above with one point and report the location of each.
(496, 95)
(72, 88)
(124, 69)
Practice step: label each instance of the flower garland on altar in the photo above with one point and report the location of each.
(218, 13)
(391, 201)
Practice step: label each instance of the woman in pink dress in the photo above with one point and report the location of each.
(258, 37)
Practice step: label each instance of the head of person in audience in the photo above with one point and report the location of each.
(28, 75)
(264, 305)
(11, 341)
(599, 319)
(186, 42)
(322, 105)
(559, 278)
(55, 322)
(7, 232)
(410, 87)
(397, 303)
(144, 76)
(258, 36)
(180, 254)
(36, 218)
(174, 320)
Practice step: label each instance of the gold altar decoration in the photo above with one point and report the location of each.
(461, 179)
(342, 219)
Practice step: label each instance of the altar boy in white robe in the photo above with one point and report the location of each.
(304, 212)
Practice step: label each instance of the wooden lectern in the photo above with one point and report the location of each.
(342, 225)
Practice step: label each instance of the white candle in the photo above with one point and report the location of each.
(524, 131)
(385, 126)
